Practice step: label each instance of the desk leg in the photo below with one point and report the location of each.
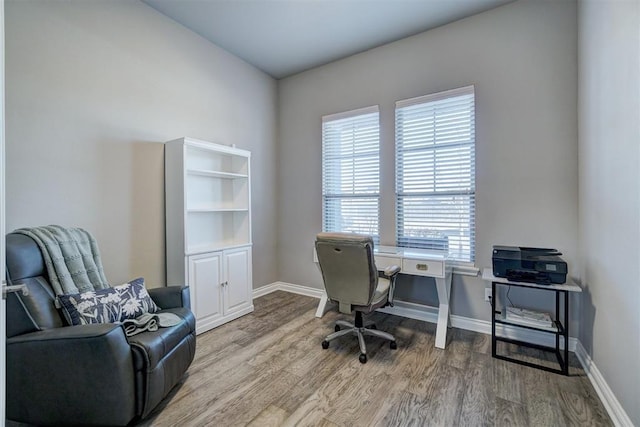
(443, 286)
(322, 305)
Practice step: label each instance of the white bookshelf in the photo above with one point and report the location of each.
(208, 224)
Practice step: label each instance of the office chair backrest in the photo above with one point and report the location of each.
(348, 268)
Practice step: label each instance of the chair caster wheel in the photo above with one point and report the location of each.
(337, 328)
(393, 345)
(363, 358)
(325, 344)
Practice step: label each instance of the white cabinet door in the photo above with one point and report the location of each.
(237, 289)
(205, 282)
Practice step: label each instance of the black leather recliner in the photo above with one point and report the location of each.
(89, 374)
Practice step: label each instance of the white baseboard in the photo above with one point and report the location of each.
(288, 287)
(609, 400)
(266, 289)
(430, 314)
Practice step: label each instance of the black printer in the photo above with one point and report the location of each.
(534, 265)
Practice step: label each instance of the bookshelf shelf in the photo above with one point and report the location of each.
(216, 174)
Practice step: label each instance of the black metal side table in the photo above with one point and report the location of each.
(559, 328)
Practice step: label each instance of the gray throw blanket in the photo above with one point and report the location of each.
(71, 256)
(149, 322)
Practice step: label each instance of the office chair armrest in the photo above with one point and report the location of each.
(391, 271)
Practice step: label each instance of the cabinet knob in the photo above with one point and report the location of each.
(423, 267)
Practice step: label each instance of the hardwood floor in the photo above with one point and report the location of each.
(268, 369)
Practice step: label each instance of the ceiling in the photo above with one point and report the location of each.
(285, 37)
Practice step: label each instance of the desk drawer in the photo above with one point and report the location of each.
(422, 268)
(383, 262)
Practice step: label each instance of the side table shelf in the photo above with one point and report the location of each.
(560, 328)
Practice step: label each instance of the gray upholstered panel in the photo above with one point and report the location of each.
(24, 258)
(348, 268)
(35, 311)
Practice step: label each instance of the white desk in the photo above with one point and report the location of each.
(417, 262)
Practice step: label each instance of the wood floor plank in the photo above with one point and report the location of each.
(444, 394)
(268, 369)
(481, 343)
(459, 348)
(284, 344)
(321, 403)
(338, 351)
(393, 395)
(326, 365)
(345, 387)
(325, 423)
(478, 403)
(541, 398)
(421, 372)
(352, 411)
(510, 414)
(286, 314)
(232, 409)
(229, 372)
(592, 398)
(339, 398)
(271, 416)
(578, 410)
(410, 410)
(508, 380)
(407, 363)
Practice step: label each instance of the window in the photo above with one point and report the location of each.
(350, 171)
(435, 172)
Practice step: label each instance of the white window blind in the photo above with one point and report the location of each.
(435, 172)
(350, 171)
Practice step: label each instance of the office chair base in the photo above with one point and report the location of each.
(368, 325)
(360, 332)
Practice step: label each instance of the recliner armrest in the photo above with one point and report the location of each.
(91, 365)
(171, 296)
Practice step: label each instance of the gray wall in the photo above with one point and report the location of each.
(522, 59)
(92, 91)
(94, 88)
(609, 146)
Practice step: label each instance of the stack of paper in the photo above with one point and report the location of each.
(528, 317)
